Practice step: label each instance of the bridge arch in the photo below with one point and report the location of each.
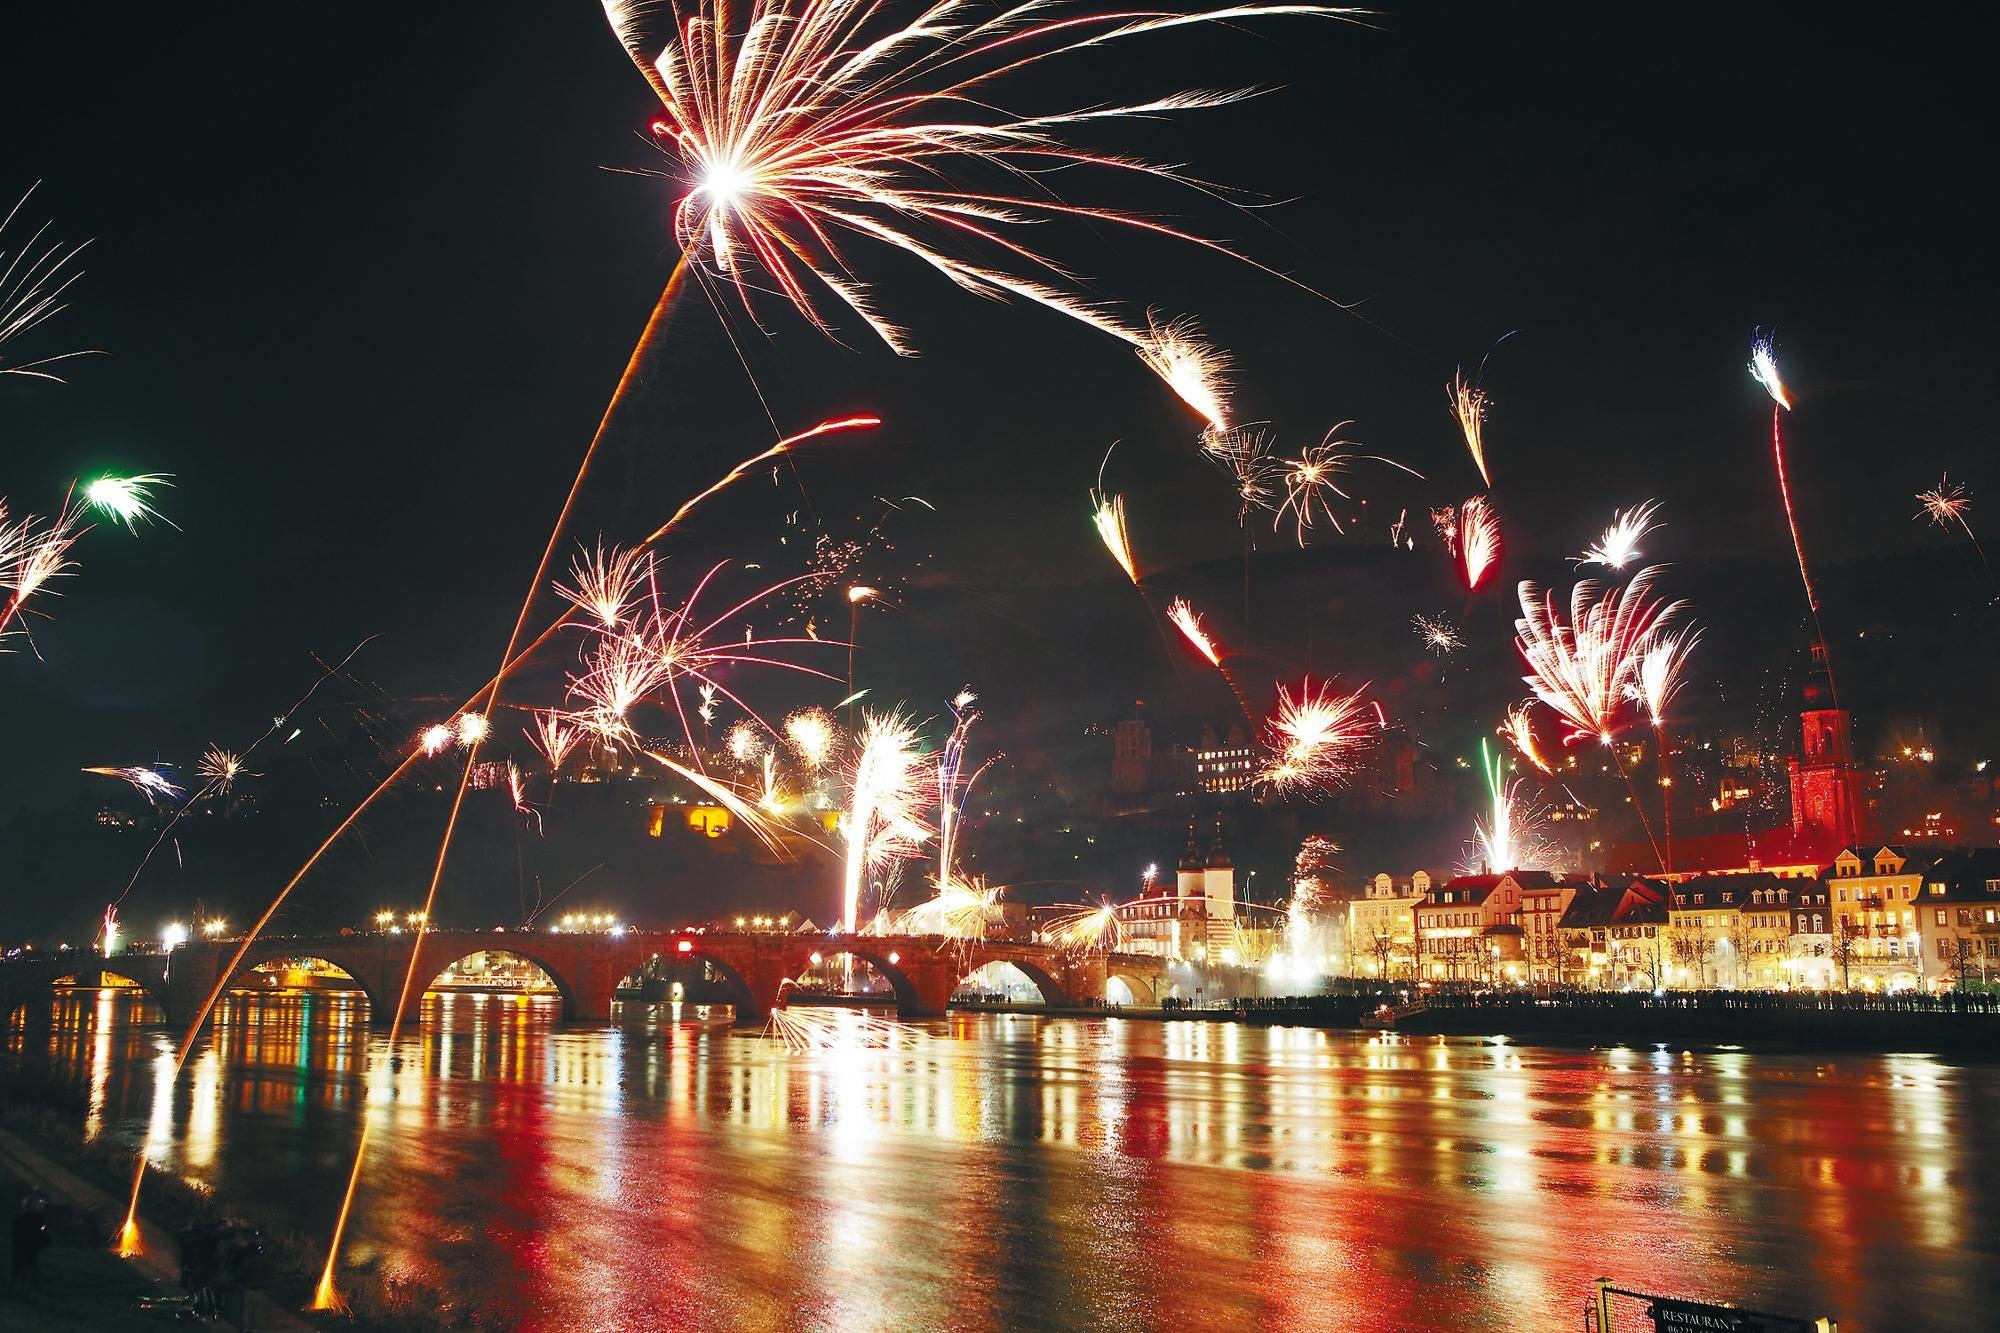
(1053, 993)
(437, 962)
(719, 981)
(1142, 987)
(240, 980)
(888, 963)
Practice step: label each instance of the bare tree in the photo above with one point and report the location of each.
(1843, 949)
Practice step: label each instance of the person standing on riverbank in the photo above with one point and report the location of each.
(29, 1237)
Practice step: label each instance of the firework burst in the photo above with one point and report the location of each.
(1317, 738)
(1312, 478)
(1579, 668)
(1086, 930)
(813, 737)
(154, 785)
(1468, 408)
(1764, 368)
(1188, 621)
(1198, 372)
(554, 738)
(801, 126)
(887, 791)
(1946, 505)
(1471, 535)
(219, 770)
(603, 582)
(33, 278)
(1244, 456)
(1437, 634)
(1619, 546)
(1518, 727)
(1107, 514)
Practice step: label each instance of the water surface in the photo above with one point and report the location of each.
(994, 1172)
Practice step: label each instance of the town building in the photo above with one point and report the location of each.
(1197, 921)
(1958, 920)
(1382, 926)
(1809, 955)
(1467, 930)
(1874, 926)
(1544, 899)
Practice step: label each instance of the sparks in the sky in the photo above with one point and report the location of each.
(801, 126)
(219, 769)
(33, 278)
(32, 552)
(1188, 621)
(436, 739)
(1244, 455)
(1086, 930)
(1619, 546)
(887, 792)
(154, 785)
(553, 738)
(1107, 513)
(129, 500)
(1438, 634)
(1317, 737)
(1471, 534)
(1311, 479)
(603, 582)
(472, 728)
(1468, 408)
(1656, 674)
(1946, 505)
(1764, 368)
(1199, 373)
(1519, 729)
(812, 734)
(1580, 667)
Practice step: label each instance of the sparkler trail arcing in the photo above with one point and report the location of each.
(799, 126)
(154, 785)
(1619, 545)
(1468, 408)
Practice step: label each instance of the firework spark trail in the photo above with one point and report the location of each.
(809, 123)
(1471, 535)
(553, 738)
(811, 732)
(154, 785)
(219, 769)
(129, 500)
(1107, 514)
(1579, 669)
(1619, 545)
(1244, 456)
(1468, 408)
(1087, 930)
(1949, 504)
(602, 582)
(1519, 729)
(952, 788)
(1188, 621)
(1311, 477)
(1764, 369)
(32, 283)
(1316, 739)
(1656, 680)
(128, 1242)
(887, 789)
(34, 551)
(1199, 373)
(1496, 833)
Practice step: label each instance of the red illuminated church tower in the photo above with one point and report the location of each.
(1827, 804)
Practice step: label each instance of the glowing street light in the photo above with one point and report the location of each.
(213, 927)
(385, 918)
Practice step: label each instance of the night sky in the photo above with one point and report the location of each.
(364, 277)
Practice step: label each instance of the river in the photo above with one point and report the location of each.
(1008, 1171)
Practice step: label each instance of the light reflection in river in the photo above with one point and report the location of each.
(999, 1171)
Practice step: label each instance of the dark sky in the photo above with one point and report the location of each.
(363, 282)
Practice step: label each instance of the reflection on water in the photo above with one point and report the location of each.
(998, 1171)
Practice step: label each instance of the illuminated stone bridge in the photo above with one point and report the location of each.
(747, 969)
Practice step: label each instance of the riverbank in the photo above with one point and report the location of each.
(84, 1288)
(88, 1181)
(1704, 1018)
